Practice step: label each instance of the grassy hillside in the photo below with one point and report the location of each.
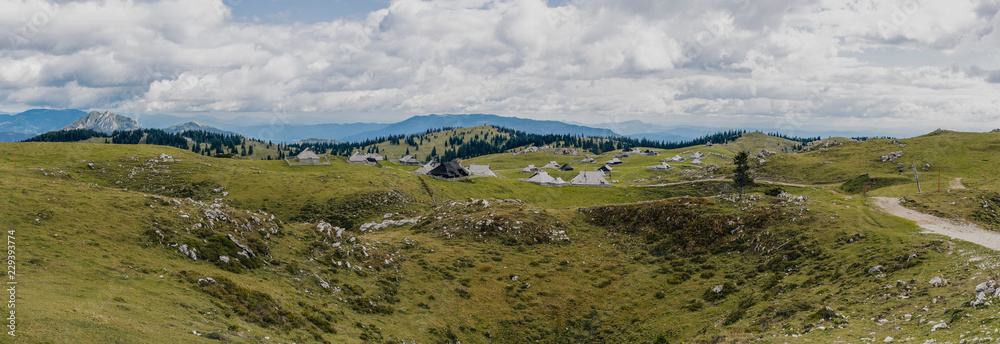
(488, 260)
(755, 142)
(431, 141)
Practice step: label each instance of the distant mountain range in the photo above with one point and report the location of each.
(106, 122)
(33, 122)
(292, 133)
(418, 124)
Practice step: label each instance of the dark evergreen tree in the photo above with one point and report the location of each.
(742, 177)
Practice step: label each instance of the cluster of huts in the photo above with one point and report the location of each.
(455, 170)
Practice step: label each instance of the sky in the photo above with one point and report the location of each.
(904, 66)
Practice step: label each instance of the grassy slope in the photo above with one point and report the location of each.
(608, 283)
(394, 152)
(755, 142)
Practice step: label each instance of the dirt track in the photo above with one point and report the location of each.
(722, 179)
(933, 224)
(956, 184)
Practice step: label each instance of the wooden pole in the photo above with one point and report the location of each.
(915, 175)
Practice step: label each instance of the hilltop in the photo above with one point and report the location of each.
(755, 142)
(106, 122)
(189, 126)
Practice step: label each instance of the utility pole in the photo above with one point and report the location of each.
(916, 176)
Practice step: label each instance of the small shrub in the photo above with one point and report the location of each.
(824, 313)
(774, 192)
(712, 296)
(694, 306)
(678, 278)
(735, 316)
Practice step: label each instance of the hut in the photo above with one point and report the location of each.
(374, 157)
(589, 160)
(636, 151)
(530, 169)
(424, 170)
(566, 167)
(308, 157)
(604, 169)
(661, 167)
(650, 152)
(709, 144)
(543, 178)
(697, 155)
(449, 170)
(481, 170)
(590, 178)
(552, 165)
(409, 160)
(358, 158)
(696, 162)
(614, 162)
(676, 158)
(621, 155)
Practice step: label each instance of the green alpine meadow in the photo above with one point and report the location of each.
(134, 243)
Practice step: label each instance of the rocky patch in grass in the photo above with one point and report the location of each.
(351, 211)
(509, 222)
(230, 238)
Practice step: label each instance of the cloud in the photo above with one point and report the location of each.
(586, 60)
(993, 77)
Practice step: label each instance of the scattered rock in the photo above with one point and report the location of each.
(207, 281)
(188, 252)
(876, 269)
(717, 289)
(940, 326)
(224, 259)
(937, 281)
(374, 226)
(986, 287)
(892, 156)
(888, 340)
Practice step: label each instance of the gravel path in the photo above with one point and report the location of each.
(723, 179)
(956, 184)
(933, 224)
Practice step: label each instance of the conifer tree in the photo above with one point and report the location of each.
(742, 177)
